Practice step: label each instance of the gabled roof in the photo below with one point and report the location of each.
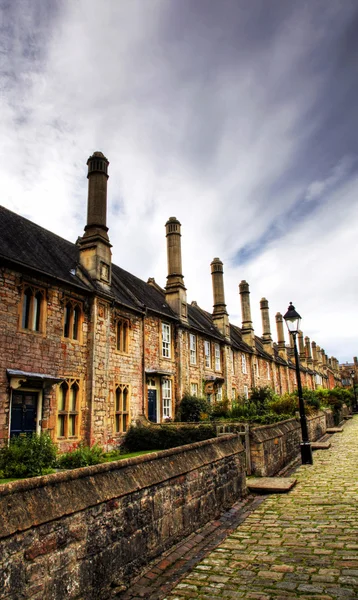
(201, 320)
(30, 246)
(237, 341)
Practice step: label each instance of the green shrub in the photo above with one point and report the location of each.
(162, 437)
(193, 409)
(81, 456)
(284, 405)
(28, 456)
(220, 410)
(261, 397)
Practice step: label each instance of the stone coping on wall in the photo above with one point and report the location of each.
(31, 502)
(262, 433)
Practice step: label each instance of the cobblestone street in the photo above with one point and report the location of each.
(298, 545)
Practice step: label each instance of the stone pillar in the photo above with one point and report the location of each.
(266, 328)
(95, 249)
(248, 334)
(175, 290)
(220, 316)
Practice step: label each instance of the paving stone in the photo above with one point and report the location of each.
(300, 545)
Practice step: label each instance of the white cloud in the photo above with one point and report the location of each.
(211, 138)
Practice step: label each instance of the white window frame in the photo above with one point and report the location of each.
(166, 340)
(217, 358)
(244, 364)
(194, 389)
(207, 354)
(219, 393)
(246, 392)
(233, 393)
(192, 343)
(167, 398)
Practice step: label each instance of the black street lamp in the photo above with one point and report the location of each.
(292, 319)
(353, 373)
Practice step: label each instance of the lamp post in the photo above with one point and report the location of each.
(354, 391)
(292, 319)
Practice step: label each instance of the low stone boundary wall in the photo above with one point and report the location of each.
(80, 534)
(272, 447)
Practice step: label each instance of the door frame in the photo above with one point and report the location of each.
(31, 390)
(152, 384)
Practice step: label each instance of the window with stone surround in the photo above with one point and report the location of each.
(207, 354)
(166, 340)
(122, 335)
(192, 338)
(68, 409)
(122, 405)
(219, 394)
(72, 319)
(167, 398)
(217, 357)
(246, 392)
(32, 308)
(231, 352)
(194, 389)
(233, 394)
(244, 364)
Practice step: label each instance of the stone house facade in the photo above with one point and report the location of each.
(87, 347)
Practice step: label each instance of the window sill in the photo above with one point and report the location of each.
(71, 341)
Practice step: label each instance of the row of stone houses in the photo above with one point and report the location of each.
(86, 347)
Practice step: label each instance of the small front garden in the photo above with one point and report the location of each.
(263, 406)
(33, 455)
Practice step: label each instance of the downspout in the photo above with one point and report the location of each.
(143, 363)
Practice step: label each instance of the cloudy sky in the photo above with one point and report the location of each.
(239, 117)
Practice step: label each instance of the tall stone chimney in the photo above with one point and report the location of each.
(308, 352)
(95, 248)
(266, 328)
(175, 290)
(220, 316)
(280, 336)
(314, 355)
(301, 349)
(248, 334)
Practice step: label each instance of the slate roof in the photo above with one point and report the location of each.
(237, 341)
(29, 245)
(201, 320)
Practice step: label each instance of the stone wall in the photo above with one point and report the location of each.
(272, 447)
(82, 533)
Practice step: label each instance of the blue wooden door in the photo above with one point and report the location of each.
(23, 413)
(152, 405)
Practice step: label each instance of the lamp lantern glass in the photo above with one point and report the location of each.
(292, 319)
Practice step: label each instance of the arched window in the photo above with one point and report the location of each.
(122, 329)
(122, 401)
(72, 320)
(32, 309)
(68, 409)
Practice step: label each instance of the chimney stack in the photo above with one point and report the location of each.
(175, 290)
(280, 336)
(301, 349)
(220, 316)
(308, 352)
(266, 328)
(95, 248)
(248, 334)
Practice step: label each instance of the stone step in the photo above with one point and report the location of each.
(320, 445)
(270, 485)
(334, 430)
